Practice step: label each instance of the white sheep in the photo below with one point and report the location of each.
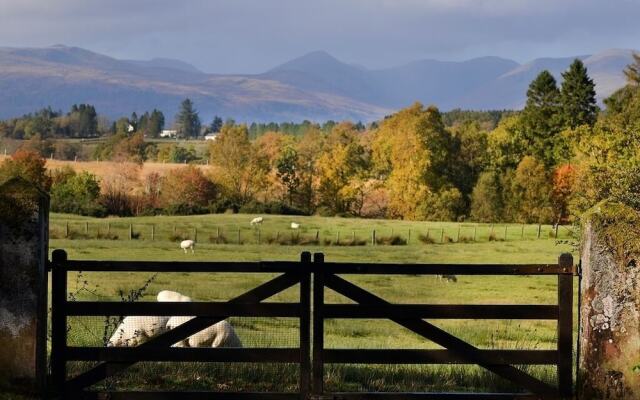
(134, 331)
(295, 225)
(256, 221)
(220, 334)
(169, 295)
(187, 244)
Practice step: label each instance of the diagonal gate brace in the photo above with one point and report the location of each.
(258, 294)
(443, 338)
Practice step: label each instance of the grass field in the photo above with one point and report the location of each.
(520, 246)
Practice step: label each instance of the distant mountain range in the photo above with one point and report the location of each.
(315, 86)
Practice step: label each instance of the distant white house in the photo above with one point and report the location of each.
(168, 133)
(211, 136)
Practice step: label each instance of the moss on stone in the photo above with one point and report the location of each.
(620, 226)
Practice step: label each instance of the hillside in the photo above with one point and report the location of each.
(316, 86)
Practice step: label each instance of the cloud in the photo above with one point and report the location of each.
(253, 35)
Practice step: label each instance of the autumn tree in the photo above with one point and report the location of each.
(241, 168)
(76, 193)
(342, 162)
(563, 184)
(531, 192)
(27, 165)
(186, 190)
(287, 171)
(632, 71)
(486, 198)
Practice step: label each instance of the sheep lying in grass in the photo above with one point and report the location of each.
(134, 330)
(188, 244)
(295, 225)
(256, 221)
(169, 295)
(220, 334)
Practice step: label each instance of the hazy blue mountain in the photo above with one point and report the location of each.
(316, 86)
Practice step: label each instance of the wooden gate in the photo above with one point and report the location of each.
(311, 380)
(115, 359)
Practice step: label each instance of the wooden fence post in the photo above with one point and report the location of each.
(66, 229)
(130, 231)
(373, 237)
(353, 237)
(565, 327)
(557, 226)
(108, 228)
(522, 232)
(409, 237)
(86, 228)
(239, 235)
(318, 235)
(505, 232)
(539, 229)
(458, 238)
(441, 235)
(475, 232)
(337, 237)
(217, 234)
(195, 234)
(153, 232)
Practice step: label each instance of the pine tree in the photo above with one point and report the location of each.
(187, 120)
(578, 96)
(632, 72)
(542, 118)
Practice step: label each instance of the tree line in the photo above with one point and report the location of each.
(551, 161)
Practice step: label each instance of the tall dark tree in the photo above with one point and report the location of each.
(187, 120)
(578, 96)
(84, 120)
(155, 124)
(632, 71)
(542, 118)
(216, 124)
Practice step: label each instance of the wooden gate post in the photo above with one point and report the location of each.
(58, 320)
(305, 325)
(318, 324)
(565, 326)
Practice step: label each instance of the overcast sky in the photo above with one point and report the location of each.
(250, 36)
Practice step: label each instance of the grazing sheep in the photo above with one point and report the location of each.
(256, 221)
(169, 295)
(220, 334)
(295, 225)
(187, 244)
(134, 331)
(448, 278)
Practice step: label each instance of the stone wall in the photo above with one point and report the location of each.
(610, 305)
(23, 284)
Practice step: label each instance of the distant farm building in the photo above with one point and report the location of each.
(168, 133)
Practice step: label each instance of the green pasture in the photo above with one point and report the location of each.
(269, 332)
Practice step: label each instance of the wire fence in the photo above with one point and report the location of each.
(241, 235)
